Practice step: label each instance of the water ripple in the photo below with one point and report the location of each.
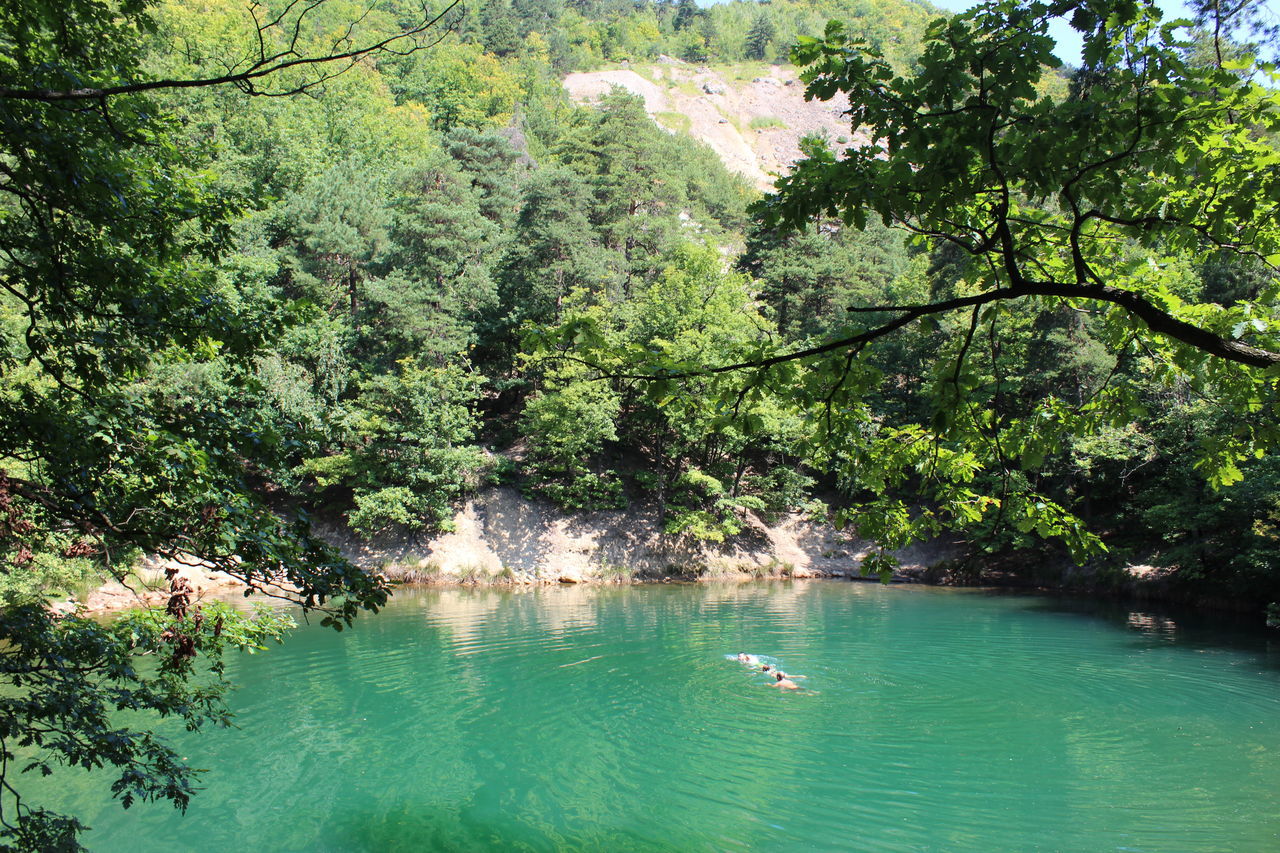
(603, 719)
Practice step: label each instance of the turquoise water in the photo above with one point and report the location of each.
(610, 719)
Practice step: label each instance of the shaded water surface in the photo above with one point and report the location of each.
(610, 719)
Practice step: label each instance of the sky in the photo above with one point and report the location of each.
(1069, 43)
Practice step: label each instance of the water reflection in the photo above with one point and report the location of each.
(601, 718)
(1153, 624)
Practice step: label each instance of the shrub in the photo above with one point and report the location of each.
(767, 123)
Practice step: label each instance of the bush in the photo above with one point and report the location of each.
(376, 511)
(699, 507)
(767, 123)
(582, 491)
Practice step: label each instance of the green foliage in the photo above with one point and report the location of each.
(497, 22)
(69, 679)
(410, 447)
(619, 151)
(379, 509)
(459, 85)
(553, 251)
(811, 277)
(342, 227)
(568, 426)
(700, 507)
(129, 411)
(47, 574)
(439, 278)
(127, 362)
(325, 299)
(783, 488)
(493, 165)
(1223, 541)
(756, 46)
(583, 491)
(688, 436)
(1043, 208)
(767, 123)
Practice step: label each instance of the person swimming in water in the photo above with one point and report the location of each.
(784, 683)
(749, 660)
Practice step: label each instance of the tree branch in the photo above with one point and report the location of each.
(265, 66)
(1156, 319)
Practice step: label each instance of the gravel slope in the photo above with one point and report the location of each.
(754, 122)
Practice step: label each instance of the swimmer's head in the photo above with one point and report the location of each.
(781, 675)
(765, 668)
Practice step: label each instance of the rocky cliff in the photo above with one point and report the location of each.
(753, 116)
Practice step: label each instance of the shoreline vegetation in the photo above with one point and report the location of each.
(501, 538)
(1136, 583)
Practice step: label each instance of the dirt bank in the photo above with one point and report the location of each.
(501, 535)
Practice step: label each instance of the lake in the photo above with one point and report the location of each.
(610, 718)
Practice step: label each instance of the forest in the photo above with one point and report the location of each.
(261, 263)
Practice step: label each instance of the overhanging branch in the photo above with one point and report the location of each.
(1156, 319)
(400, 44)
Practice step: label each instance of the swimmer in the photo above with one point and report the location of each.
(749, 660)
(765, 667)
(784, 683)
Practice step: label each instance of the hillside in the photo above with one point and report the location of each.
(752, 115)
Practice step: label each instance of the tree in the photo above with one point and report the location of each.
(342, 231)
(759, 36)
(1053, 198)
(637, 187)
(108, 241)
(554, 251)
(810, 276)
(461, 84)
(105, 51)
(687, 12)
(706, 459)
(494, 168)
(412, 455)
(1095, 202)
(499, 28)
(441, 283)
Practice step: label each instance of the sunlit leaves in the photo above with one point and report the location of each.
(70, 679)
(1152, 165)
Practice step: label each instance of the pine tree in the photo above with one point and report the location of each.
(758, 38)
(553, 252)
(501, 37)
(686, 12)
(494, 167)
